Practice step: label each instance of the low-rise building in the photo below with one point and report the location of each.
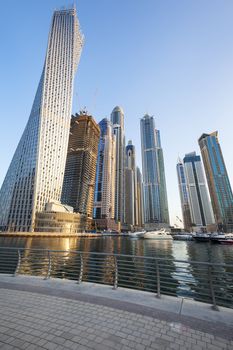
(58, 217)
(107, 224)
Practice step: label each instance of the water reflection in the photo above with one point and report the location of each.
(176, 277)
(219, 276)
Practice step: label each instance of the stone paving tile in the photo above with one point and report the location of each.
(30, 321)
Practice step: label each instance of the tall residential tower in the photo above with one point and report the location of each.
(104, 200)
(155, 193)
(199, 202)
(218, 181)
(36, 172)
(183, 190)
(131, 198)
(79, 180)
(117, 119)
(140, 199)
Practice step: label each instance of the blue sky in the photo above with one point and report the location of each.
(170, 58)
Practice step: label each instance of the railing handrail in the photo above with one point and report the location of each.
(128, 271)
(121, 255)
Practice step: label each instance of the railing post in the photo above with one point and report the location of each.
(49, 266)
(116, 273)
(18, 263)
(158, 295)
(81, 269)
(214, 306)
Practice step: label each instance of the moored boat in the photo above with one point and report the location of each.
(136, 234)
(161, 234)
(218, 237)
(202, 237)
(183, 237)
(215, 237)
(226, 241)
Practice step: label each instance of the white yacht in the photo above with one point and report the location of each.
(162, 234)
(136, 234)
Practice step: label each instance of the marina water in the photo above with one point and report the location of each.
(180, 278)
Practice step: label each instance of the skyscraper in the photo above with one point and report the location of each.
(199, 203)
(183, 190)
(140, 199)
(130, 164)
(129, 197)
(117, 119)
(218, 181)
(104, 200)
(79, 180)
(36, 171)
(155, 193)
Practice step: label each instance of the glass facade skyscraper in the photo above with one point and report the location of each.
(129, 198)
(104, 200)
(117, 119)
(155, 193)
(36, 171)
(130, 164)
(218, 181)
(199, 202)
(184, 195)
(140, 198)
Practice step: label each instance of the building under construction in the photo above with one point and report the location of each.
(80, 171)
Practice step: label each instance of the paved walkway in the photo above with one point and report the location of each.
(34, 317)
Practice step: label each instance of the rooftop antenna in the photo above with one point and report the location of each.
(78, 103)
(93, 103)
(179, 160)
(83, 110)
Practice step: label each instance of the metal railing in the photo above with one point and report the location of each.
(202, 281)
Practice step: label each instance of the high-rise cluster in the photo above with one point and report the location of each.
(69, 173)
(198, 209)
(76, 162)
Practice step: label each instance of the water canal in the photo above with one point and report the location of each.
(177, 278)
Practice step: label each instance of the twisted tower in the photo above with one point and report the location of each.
(37, 169)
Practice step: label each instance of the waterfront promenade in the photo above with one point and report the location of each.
(61, 314)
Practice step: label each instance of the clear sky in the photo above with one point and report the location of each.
(170, 58)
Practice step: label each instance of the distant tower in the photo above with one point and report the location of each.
(117, 119)
(130, 164)
(184, 196)
(80, 171)
(104, 201)
(140, 199)
(218, 181)
(200, 207)
(155, 193)
(129, 197)
(36, 171)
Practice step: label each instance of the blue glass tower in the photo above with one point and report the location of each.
(155, 193)
(183, 190)
(218, 181)
(199, 202)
